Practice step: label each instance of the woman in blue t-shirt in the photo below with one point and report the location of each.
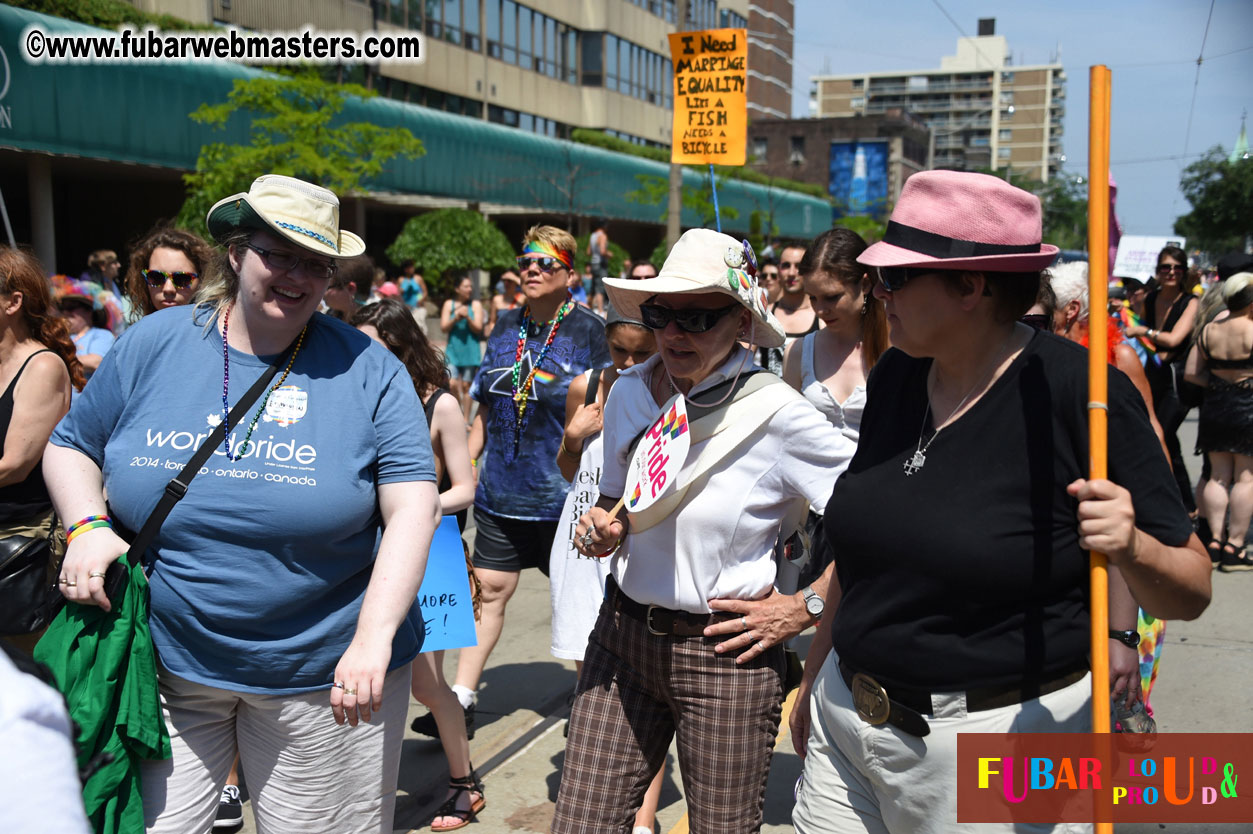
(268, 601)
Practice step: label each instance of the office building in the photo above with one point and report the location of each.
(546, 66)
(983, 111)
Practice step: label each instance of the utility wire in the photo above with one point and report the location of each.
(1196, 82)
(957, 26)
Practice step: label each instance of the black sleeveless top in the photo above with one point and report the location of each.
(445, 482)
(1224, 364)
(29, 497)
(1180, 353)
(813, 328)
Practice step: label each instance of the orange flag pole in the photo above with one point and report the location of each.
(1098, 379)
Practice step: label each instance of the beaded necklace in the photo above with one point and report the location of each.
(226, 387)
(522, 388)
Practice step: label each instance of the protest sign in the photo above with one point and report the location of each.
(710, 96)
(443, 601)
(1137, 255)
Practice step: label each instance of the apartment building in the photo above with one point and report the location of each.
(983, 111)
(545, 66)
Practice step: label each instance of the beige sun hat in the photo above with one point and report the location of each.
(299, 211)
(704, 261)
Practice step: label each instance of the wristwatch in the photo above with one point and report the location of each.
(1130, 639)
(813, 603)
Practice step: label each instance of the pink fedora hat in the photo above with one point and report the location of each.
(963, 221)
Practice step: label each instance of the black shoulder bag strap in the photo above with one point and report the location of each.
(593, 387)
(177, 487)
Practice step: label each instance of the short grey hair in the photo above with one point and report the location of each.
(1070, 283)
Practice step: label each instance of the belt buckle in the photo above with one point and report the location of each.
(871, 699)
(648, 622)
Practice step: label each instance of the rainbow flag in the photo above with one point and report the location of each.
(544, 376)
(1128, 318)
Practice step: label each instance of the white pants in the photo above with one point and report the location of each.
(305, 773)
(864, 778)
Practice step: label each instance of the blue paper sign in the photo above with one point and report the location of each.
(443, 604)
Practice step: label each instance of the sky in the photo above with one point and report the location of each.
(1150, 46)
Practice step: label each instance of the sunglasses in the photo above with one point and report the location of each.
(1039, 321)
(287, 261)
(894, 277)
(545, 263)
(1170, 268)
(691, 320)
(156, 278)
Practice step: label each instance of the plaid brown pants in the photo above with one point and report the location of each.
(637, 692)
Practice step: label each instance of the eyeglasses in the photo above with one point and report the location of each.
(287, 261)
(545, 264)
(181, 280)
(1171, 268)
(894, 277)
(1039, 321)
(691, 320)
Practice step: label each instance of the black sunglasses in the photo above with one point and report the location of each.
(894, 277)
(545, 264)
(156, 278)
(1171, 268)
(691, 320)
(1040, 321)
(287, 261)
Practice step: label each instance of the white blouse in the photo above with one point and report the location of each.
(720, 543)
(844, 416)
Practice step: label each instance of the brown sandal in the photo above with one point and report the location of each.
(466, 785)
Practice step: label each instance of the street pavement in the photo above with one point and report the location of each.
(1206, 675)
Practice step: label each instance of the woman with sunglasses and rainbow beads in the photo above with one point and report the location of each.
(528, 362)
(276, 617)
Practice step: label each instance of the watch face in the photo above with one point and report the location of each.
(813, 604)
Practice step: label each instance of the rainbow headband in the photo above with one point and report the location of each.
(539, 247)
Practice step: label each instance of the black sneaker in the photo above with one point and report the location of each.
(425, 724)
(230, 810)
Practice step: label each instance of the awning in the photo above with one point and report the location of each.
(138, 113)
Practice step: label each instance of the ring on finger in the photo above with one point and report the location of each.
(70, 583)
(337, 685)
(350, 690)
(63, 581)
(761, 646)
(96, 574)
(744, 623)
(586, 539)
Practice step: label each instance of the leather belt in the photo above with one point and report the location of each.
(905, 707)
(663, 622)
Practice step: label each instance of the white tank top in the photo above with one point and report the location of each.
(847, 416)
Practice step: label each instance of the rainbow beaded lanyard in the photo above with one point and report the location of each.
(522, 388)
(226, 387)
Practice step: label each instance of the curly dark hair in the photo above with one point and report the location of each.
(197, 250)
(401, 334)
(20, 272)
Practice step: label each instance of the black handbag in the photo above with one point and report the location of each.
(27, 601)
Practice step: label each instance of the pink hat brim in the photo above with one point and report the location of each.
(887, 254)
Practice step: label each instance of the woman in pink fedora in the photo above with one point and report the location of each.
(961, 527)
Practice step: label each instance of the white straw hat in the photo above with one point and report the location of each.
(704, 261)
(301, 212)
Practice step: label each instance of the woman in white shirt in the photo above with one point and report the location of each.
(829, 366)
(759, 452)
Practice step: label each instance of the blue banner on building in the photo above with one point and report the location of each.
(859, 178)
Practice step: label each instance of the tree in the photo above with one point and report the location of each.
(616, 256)
(450, 241)
(291, 132)
(1064, 200)
(1221, 194)
(868, 228)
(653, 191)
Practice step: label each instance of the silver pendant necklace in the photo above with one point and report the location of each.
(919, 458)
